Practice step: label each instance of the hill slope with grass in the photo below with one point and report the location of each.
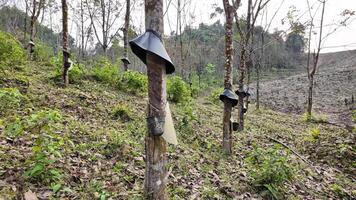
(86, 141)
(335, 85)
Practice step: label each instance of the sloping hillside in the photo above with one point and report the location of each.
(70, 143)
(335, 84)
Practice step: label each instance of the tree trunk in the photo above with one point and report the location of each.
(227, 132)
(126, 31)
(315, 64)
(66, 55)
(156, 173)
(242, 68)
(25, 23)
(310, 97)
(261, 65)
(82, 49)
(32, 30)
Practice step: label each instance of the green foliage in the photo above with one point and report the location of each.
(11, 52)
(133, 82)
(214, 95)
(76, 71)
(10, 99)
(339, 191)
(177, 90)
(187, 117)
(269, 169)
(105, 72)
(315, 133)
(42, 52)
(195, 88)
(209, 69)
(314, 118)
(47, 147)
(122, 111)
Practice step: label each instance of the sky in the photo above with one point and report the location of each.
(202, 9)
(198, 11)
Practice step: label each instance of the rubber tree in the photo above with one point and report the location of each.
(35, 13)
(66, 54)
(155, 146)
(253, 9)
(125, 32)
(227, 132)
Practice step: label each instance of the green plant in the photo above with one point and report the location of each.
(105, 72)
(185, 123)
(314, 118)
(11, 51)
(10, 99)
(313, 135)
(133, 82)
(339, 191)
(177, 90)
(42, 52)
(214, 95)
(269, 169)
(122, 111)
(76, 71)
(47, 144)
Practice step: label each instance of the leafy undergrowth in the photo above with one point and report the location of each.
(86, 141)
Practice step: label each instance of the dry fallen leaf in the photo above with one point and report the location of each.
(29, 195)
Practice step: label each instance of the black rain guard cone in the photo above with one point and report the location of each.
(150, 41)
(125, 60)
(228, 94)
(243, 93)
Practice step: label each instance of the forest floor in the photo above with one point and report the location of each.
(64, 143)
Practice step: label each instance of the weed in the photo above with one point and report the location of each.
(133, 82)
(10, 100)
(177, 90)
(11, 52)
(105, 72)
(122, 111)
(47, 144)
(339, 191)
(42, 52)
(314, 135)
(214, 95)
(314, 118)
(269, 169)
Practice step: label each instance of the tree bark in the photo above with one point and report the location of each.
(155, 147)
(126, 30)
(66, 63)
(227, 131)
(35, 13)
(25, 23)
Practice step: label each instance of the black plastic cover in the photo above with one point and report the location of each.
(243, 93)
(150, 41)
(230, 95)
(125, 60)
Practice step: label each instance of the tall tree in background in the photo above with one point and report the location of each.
(104, 15)
(25, 21)
(227, 132)
(311, 70)
(35, 13)
(66, 54)
(156, 173)
(125, 32)
(253, 9)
